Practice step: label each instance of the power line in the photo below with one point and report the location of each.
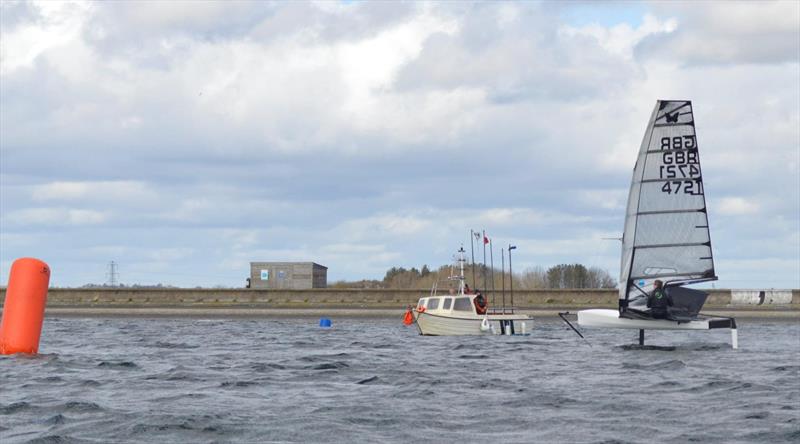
(112, 275)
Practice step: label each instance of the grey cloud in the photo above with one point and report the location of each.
(726, 33)
(294, 173)
(526, 59)
(16, 12)
(155, 34)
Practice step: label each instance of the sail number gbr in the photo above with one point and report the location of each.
(680, 163)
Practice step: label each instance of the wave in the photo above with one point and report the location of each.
(674, 364)
(329, 366)
(370, 380)
(118, 364)
(15, 407)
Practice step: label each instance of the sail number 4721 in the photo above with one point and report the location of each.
(694, 186)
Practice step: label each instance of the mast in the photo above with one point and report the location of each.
(483, 266)
(503, 273)
(472, 252)
(511, 274)
(461, 275)
(491, 259)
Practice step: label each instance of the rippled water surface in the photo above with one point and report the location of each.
(374, 380)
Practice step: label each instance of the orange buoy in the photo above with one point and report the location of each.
(23, 310)
(408, 319)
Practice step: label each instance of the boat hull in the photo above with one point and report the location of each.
(438, 325)
(601, 318)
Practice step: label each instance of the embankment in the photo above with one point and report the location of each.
(367, 302)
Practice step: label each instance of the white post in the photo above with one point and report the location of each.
(734, 338)
(523, 328)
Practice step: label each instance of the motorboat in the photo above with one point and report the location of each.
(461, 312)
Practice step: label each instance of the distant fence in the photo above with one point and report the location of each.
(367, 298)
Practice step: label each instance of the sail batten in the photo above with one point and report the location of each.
(647, 213)
(694, 277)
(658, 125)
(666, 224)
(674, 245)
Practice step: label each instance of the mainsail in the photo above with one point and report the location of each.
(666, 233)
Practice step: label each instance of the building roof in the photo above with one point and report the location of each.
(287, 263)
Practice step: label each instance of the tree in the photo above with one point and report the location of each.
(533, 278)
(578, 276)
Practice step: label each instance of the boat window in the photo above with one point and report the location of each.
(447, 303)
(421, 303)
(462, 304)
(433, 304)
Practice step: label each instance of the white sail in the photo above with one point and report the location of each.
(666, 233)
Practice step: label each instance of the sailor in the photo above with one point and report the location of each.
(658, 301)
(480, 303)
(466, 289)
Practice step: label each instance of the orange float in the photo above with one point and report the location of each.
(23, 310)
(408, 319)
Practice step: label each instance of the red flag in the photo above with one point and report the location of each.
(485, 239)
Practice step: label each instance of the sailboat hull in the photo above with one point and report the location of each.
(442, 325)
(600, 318)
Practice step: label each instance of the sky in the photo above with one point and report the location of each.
(183, 140)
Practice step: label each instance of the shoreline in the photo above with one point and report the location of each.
(244, 312)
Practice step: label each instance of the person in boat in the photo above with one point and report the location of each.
(658, 301)
(467, 289)
(480, 303)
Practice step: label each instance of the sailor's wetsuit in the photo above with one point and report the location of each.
(658, 301)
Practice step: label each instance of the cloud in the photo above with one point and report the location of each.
(621, 39)
(737, 206)
(36, 28)
(709, 33)
(98, 191)
(367, 135)
(53, 217)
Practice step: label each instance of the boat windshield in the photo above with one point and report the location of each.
(462, 304)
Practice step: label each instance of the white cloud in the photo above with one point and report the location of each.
(54, 216)
(613, 199)
(395, 225)
(169, 255)
(621, 39)
(728, 33)
(100, 190)
(369, 66)
(368, 135)
(737, 206)
(59, 22)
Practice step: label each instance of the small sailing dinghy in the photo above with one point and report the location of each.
(462, 312)
(666, 235)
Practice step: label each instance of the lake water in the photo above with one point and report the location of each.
(374, 380)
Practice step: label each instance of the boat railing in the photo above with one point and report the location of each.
(500, 310)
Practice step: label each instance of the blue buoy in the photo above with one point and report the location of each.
(325, 323)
